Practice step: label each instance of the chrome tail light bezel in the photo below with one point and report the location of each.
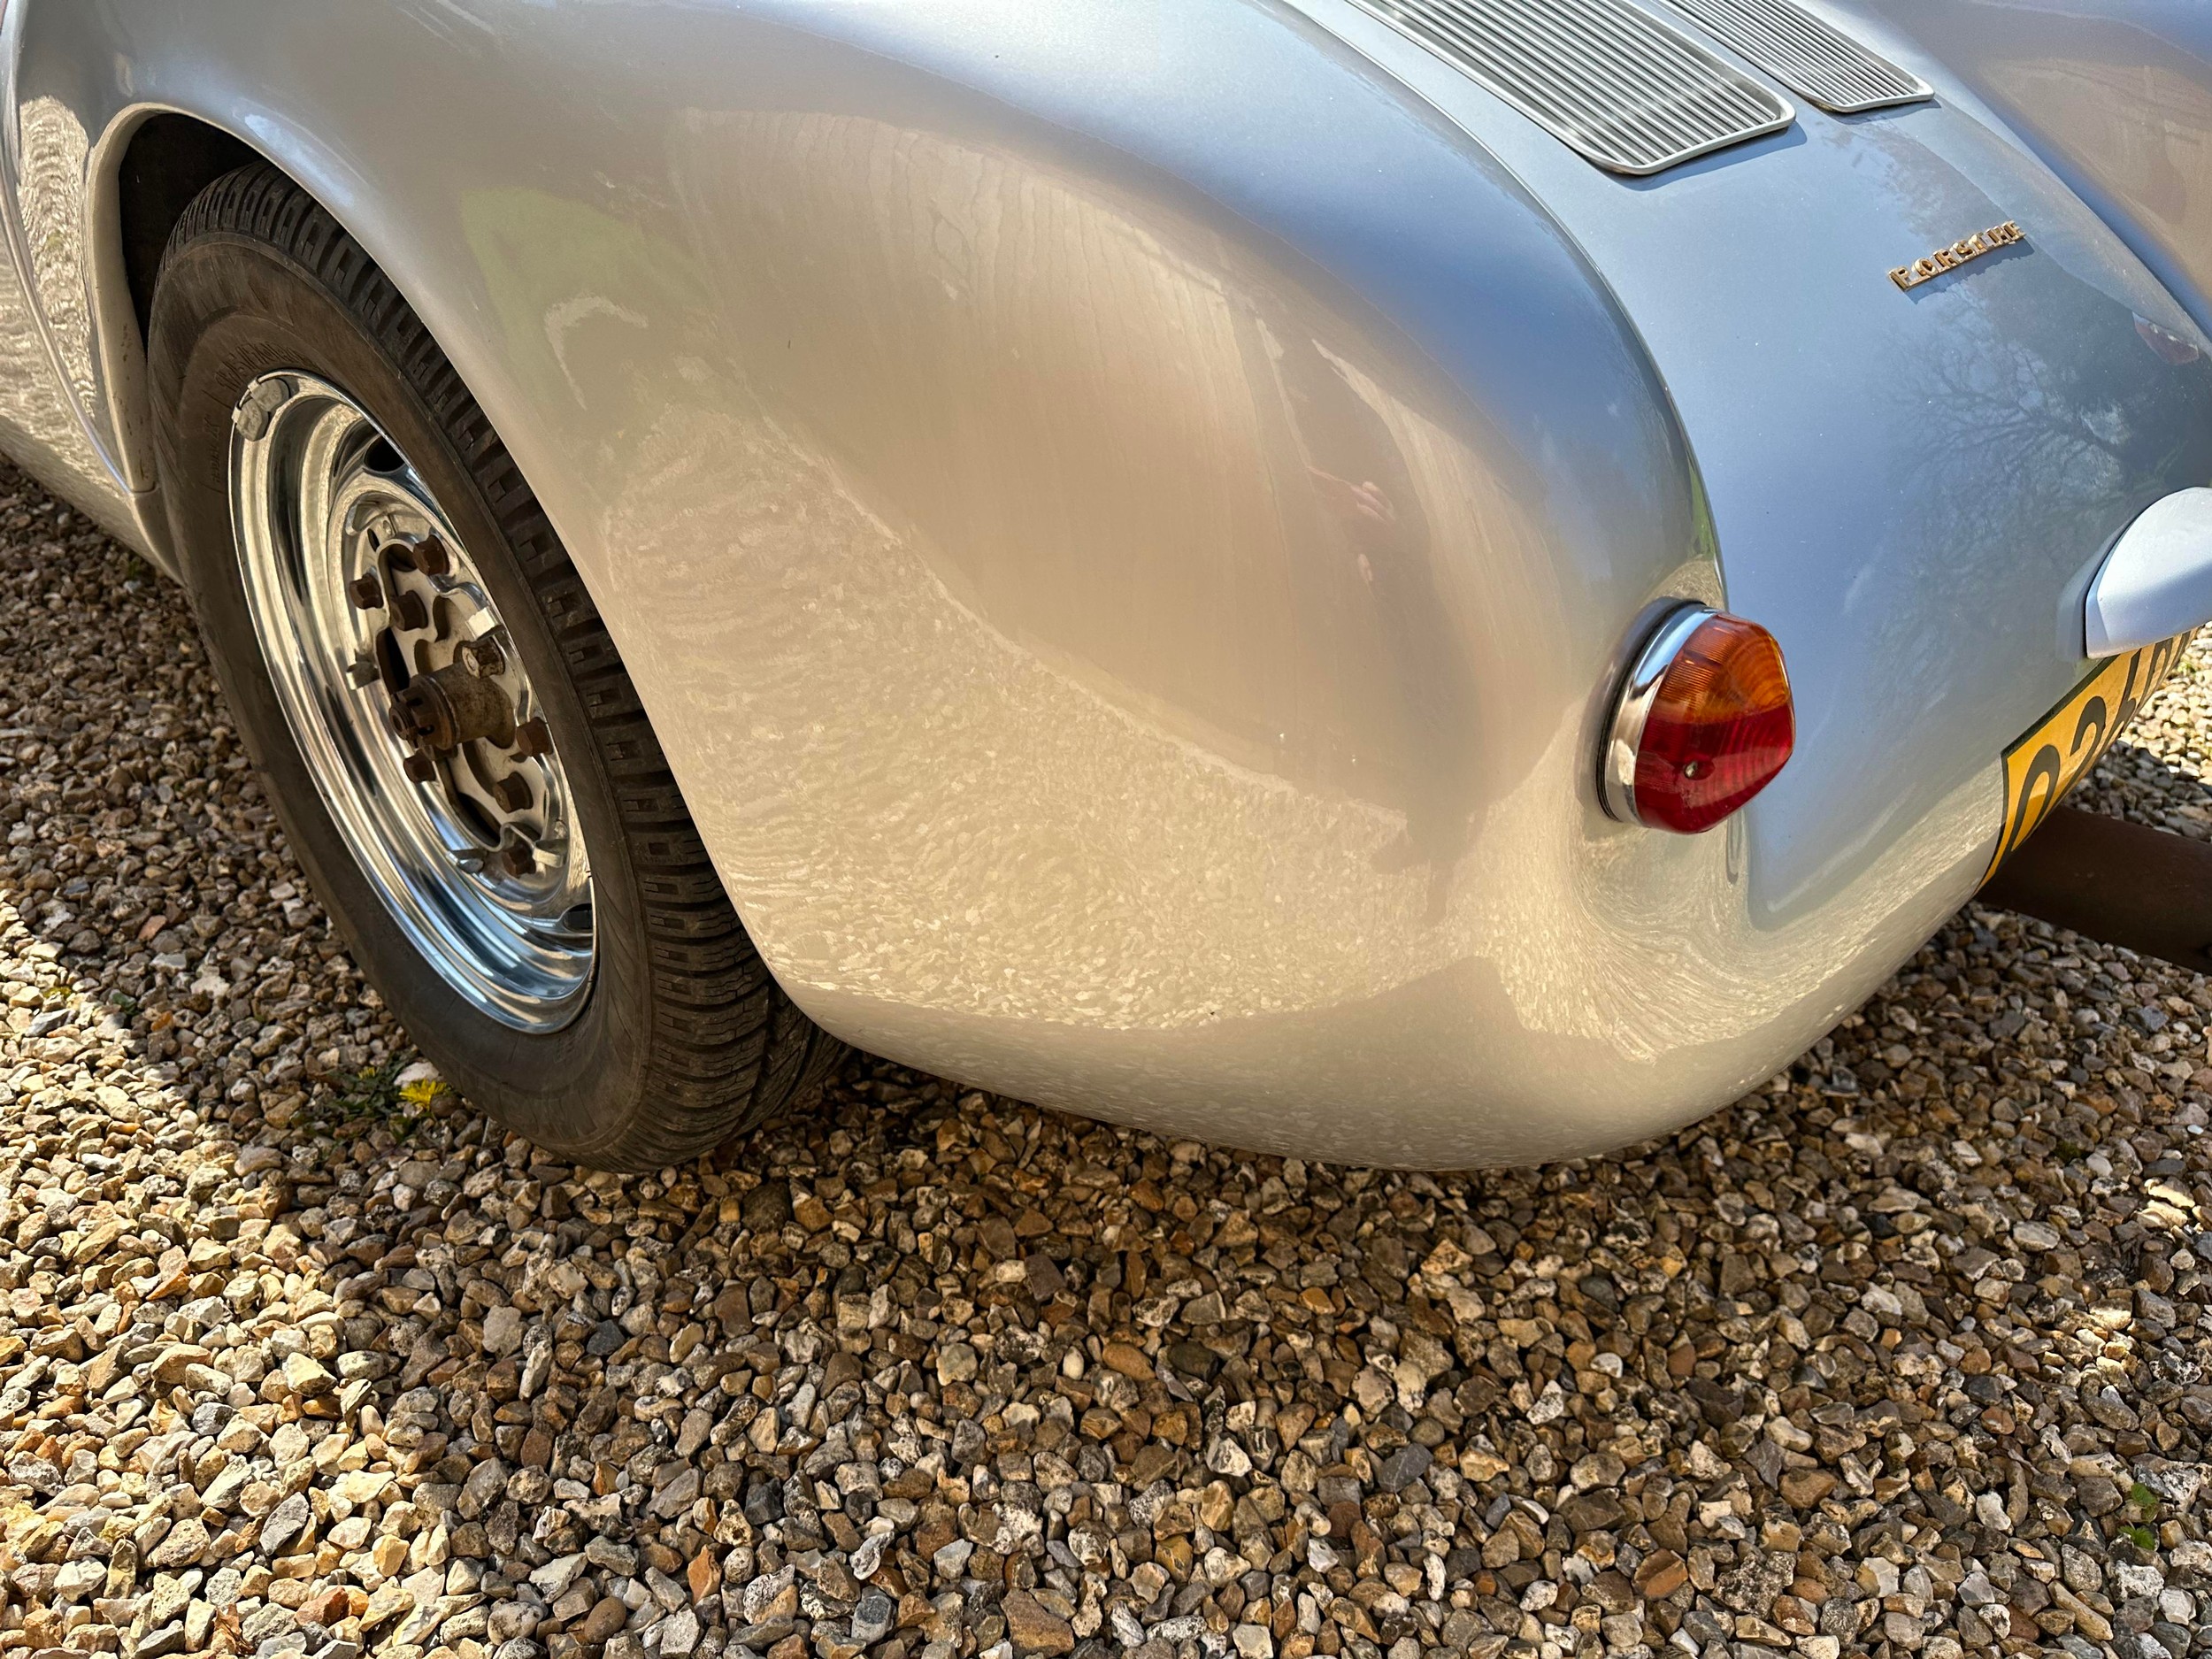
(1632, 705)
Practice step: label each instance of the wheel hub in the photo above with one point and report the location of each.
(439, 711)
(400, 680)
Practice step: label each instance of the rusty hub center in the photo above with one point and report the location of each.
(440, 710)
(450, 689)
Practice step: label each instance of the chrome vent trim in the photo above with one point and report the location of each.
(1809, 55)
(1612, 81)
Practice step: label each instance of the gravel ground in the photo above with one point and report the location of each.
(1902, 1355)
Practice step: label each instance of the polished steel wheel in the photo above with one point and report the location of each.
(401, 638)
(402, 686)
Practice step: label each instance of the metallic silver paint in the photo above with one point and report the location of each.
(2115, 96)
(1126, 516)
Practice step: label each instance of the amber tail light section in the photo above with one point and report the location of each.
(1702, 725)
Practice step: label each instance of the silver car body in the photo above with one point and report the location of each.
(1126, 516)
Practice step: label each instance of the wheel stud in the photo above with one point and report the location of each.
(512, 793)
(367, 592)
(421, 768)
(531, 739)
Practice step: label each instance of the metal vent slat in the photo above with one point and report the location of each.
(1617, 84)
(1809, 55)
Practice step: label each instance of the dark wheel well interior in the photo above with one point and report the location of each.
(171, 159)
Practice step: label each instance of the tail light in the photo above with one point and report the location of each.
(1703, 723)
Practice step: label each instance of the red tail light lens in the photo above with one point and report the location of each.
(1704, 724)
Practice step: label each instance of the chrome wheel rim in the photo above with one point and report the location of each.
(402, 687)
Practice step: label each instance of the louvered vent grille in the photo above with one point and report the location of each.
(1827, 67)
(1613, 82)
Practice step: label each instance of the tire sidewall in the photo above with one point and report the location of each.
(230, 308)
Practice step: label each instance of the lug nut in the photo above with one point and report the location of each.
(430, 557)
(521, 858)
(531, 739)
(367, 592)
(410, 611)
(421, 768)
(482, 657)
(362, 672)
(512, 793)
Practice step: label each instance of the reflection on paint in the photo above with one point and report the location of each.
(43, 428)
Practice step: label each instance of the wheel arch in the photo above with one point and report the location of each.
(163, 160)
(146, 171)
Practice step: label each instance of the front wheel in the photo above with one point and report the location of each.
(438, 712)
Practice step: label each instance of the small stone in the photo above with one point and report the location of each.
(868, 1559)
(502, 1331)
(306, 1376)
(387, 1602)
(608, 1615)
(1804, 1488)
(1660, 1575)
(552, 1580)
(956, 1363)
(1400, 1470)
(285, 1524)
(1751, 1588)
(703, 1574)
(872, 1616)
(677, 1495)
(1032, 1629)
(618, 1558)
(186, 1543)
(2096, 1494)
(678, 1633)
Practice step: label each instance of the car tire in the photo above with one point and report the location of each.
(671, 1036)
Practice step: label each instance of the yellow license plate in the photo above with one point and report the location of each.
(2042, 766)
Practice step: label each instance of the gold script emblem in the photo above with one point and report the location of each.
(2005, 235)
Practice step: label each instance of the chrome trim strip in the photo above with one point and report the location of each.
(1632, 708)
(1809, 55)
(1616, 84)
